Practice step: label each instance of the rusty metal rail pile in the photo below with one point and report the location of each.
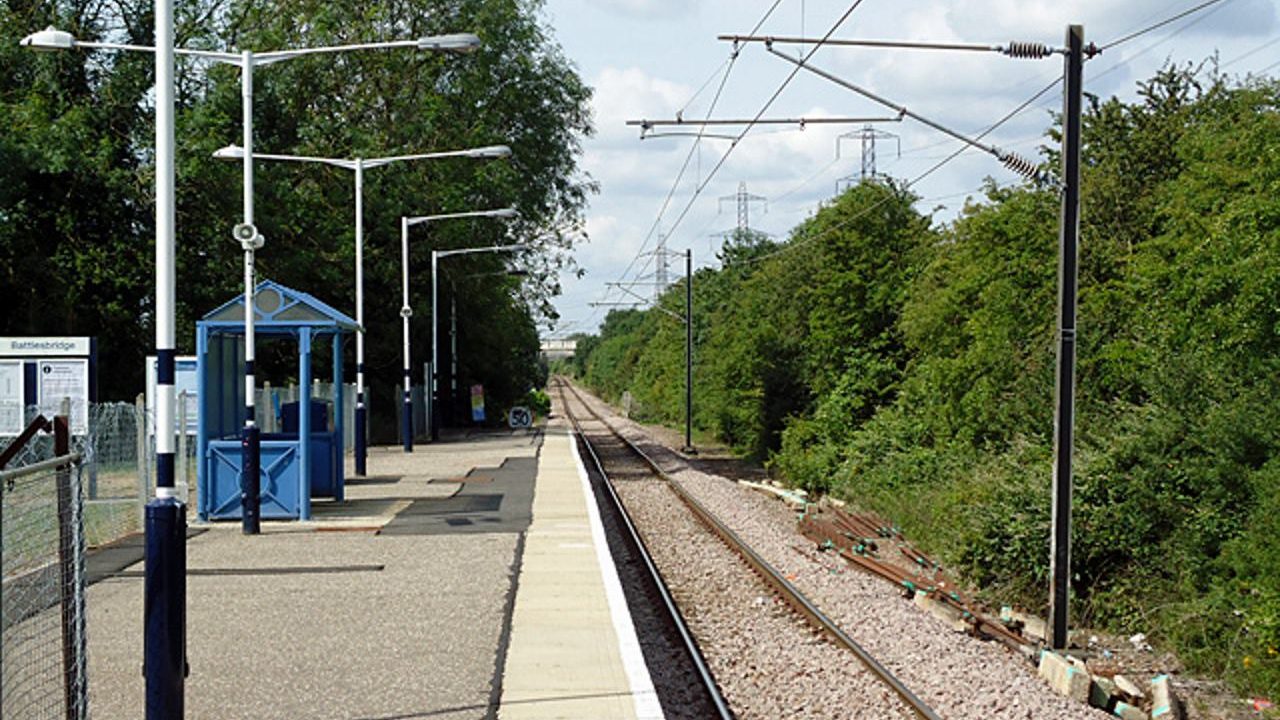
(870, 543)
(791, 595)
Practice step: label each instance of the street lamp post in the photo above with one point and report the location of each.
(251, 240)
(406, 312)
(244, 232)
(164, 662)
(358, 166)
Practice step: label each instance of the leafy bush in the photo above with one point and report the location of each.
(911, 369)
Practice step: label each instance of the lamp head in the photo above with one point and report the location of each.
(230, 152)
(49, 39)
(454, 42)
(505, 213)
(492, 151)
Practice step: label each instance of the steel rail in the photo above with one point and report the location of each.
(642, 550)
(53, 463)
(792, 595)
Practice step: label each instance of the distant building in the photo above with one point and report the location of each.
(558, 349)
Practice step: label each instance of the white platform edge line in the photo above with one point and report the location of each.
(646, 698)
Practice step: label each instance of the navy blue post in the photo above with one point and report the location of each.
(250, 480)
(406, 414)
(361, 422)
(339, 421)
(164, 606)
(304, 423)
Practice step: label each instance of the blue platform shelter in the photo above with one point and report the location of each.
(303, 461)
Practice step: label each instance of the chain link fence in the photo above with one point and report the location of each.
(43, 661)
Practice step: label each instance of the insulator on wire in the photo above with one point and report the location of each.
(1027, 50)
(1022, 166)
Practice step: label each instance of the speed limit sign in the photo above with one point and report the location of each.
(520, 417)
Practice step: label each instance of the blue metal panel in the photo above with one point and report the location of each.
(323, 472)
(339, 455)
(304, 423)
(202, 423)
(279, 479)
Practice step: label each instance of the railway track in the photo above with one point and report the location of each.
(628, 471)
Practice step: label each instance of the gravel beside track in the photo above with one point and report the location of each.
(959, 676)
(767, 661)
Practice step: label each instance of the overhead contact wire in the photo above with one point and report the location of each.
(728, 70)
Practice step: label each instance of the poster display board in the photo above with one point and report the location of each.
(477, 403)
(12, 402)
(184, 381)
(64, 378)
(41, 371)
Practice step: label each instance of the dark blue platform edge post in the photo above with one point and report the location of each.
(361, 451)
(406, 413)
(165, 586)
(164, 663)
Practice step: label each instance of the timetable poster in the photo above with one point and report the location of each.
(12, 402)
(58, 379)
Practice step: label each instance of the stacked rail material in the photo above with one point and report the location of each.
(875, 545)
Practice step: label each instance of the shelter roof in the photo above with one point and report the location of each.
(278, 309)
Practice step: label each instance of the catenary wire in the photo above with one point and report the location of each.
(728, 70)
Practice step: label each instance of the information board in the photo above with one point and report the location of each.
(184, 381)
(12, 398)
(477, 403)
(66, 378)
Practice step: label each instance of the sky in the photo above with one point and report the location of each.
(656, 59)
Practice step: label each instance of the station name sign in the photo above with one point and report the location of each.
(44, 346)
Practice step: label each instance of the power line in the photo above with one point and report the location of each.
(705, 83)
(765, 108)
(728, 70)
(1162, 23)
(911, 183)
(1011, 160)
(1021, 108)
(1025, 106)
(1029, 50)
(1251, 53)
(1094, 77)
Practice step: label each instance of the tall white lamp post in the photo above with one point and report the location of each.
(359, 165)
(244, 232)
(406, 416)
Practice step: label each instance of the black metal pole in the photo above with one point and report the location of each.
(1064, 390)
(71, 680)
(452, 407)
(688, 352)
(433, 409)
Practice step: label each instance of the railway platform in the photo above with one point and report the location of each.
(465, 580)
(574, 652)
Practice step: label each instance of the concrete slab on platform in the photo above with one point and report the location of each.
(329, 619)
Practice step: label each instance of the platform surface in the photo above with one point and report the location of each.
(573, 651)
(459, 581)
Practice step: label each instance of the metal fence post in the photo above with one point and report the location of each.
(68, 559)
(144, 467)
(183, 484)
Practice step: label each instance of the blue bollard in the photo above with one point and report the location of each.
(250, 483)
(361, 451)
(165, 608)
(406, 423)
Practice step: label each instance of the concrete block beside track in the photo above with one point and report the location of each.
(1064, 677)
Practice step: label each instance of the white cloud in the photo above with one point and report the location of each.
(648, 9)
(647, 58)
